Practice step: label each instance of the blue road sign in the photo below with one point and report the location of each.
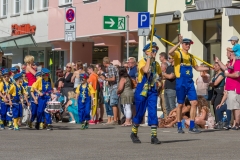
(143, 20)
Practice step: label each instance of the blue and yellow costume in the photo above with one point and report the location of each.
(45, 86)
(34, 106)
(183, 68)
(17, 93)
(4, 88)
(84, 101)
(146, 95)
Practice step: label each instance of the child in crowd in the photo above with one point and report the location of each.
(106, 97)
(15, 96)
(4, 88)
(236, 49)
(72, 107)
(34, 101)
(84, 94)
(204, 116)
(43, 86)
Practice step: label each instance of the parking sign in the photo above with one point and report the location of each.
(143, 20)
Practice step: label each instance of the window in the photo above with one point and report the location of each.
(30, 5)
(68, 1)
(44, 3)
(4, 8)
(172, 34)
(17, 6)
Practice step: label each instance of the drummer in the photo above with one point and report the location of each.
(4, 87)
(43, 87)
(16, 95)
(34, 103)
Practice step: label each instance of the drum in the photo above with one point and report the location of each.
(53, 106)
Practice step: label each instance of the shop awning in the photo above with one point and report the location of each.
(233, 11)
(167, 17)
(208, 4)
(15, 42)
(193, 14)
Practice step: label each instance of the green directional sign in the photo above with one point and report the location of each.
(114, 22)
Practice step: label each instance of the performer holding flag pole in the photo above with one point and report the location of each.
(183, 64)
(146, 93)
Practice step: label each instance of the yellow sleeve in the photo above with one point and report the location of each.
(158, 68)
(141, 64)
(77, 90)
(194, 62)
(1, 87)
(38, 84)
(24, 91)
(91, 90)
(32, 88)
(12, 90)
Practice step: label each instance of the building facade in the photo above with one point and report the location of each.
(209, 25)
(92, 41)
(17, 19)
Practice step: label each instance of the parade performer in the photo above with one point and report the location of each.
(146, 93)
(84, 94)
(34, 102)
(14, 71)
(16, 95)
(43, 87)
(4, 88)
(183, 64)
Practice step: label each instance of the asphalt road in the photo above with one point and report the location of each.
(103, 142)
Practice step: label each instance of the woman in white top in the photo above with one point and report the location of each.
(202, 83)
(76, 74)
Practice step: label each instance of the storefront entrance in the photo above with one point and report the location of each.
(212, 37)
(55, 60)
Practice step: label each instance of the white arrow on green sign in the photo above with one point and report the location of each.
(114, 22)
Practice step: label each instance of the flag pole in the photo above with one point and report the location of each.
(153, 23)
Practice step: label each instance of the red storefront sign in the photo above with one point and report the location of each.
(23, 29)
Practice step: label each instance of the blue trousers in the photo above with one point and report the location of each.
(84, 109)
(3, 111)
(34, 108)
(142, 103)
(17, 110)
(108, 109)
(42, 104)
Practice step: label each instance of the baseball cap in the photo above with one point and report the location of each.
(187, 40)
(233, 38)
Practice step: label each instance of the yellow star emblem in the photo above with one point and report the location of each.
(46, 86)
(19, 92)
(188, 72)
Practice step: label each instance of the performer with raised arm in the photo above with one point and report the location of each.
(183, 64)
(146, 93)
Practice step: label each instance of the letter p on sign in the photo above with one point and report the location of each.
(143, 20)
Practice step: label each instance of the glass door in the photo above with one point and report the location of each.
(55, 60)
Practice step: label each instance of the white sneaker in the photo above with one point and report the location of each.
(72, 122)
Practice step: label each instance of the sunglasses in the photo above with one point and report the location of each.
(6, 76)
(68, 67)
(187, 44)
(154, 51)
(169, 58)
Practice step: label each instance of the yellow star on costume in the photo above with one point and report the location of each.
(46, 86)
(188, 72)
(19, 92)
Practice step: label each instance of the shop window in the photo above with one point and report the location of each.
(4, 8)
(30, 5)
(17, 6)
(44, 4)
(213, 31)
(133, 51)
(172, 34)
(98, 54)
